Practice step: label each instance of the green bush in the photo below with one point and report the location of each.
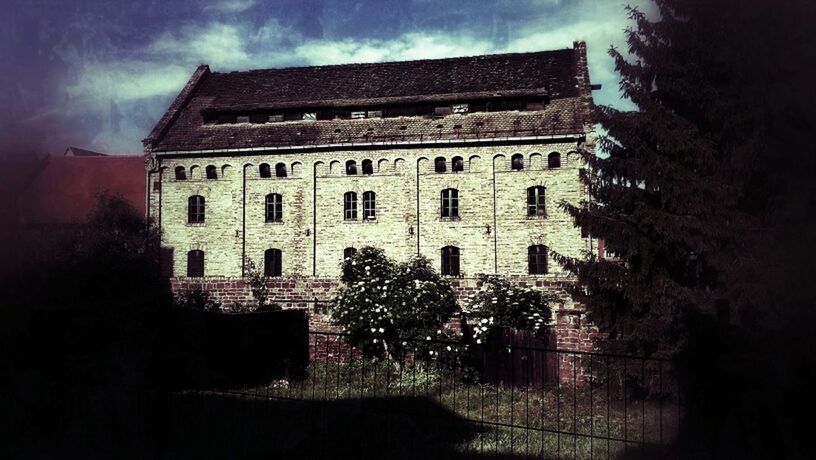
(391, 309)
(497, 305)
(196, 299)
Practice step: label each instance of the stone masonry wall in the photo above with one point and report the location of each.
(493, 230)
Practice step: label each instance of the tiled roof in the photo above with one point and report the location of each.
(78, 152)
(551, 74)
(65, 190)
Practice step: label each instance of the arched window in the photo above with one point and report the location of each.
(264, 170)
(212, 173)
(195, 209)
(280, 170)
(554, 160)
(458, 164)
(349, 253)
(450, 261)
(537, 259)
(439, 165)
(180, 173)
(450, 202)
(351, 168)
(536, 206)
(368, 167)
(273, 262)
(195, 263)
(517, 162)
(369, 205)
(274, 207)
(350, 206)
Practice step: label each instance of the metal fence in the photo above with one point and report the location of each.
(512, 401)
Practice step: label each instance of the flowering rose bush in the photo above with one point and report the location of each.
(389, 309)
(498, 304)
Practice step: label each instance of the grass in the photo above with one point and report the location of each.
(554, 419)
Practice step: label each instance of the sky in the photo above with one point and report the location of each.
(98, 74)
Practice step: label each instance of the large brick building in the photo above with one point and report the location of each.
(462, 160)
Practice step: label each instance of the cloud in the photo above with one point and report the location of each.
(220, 44)
(406, 47)
(149, 75)
(230, 6)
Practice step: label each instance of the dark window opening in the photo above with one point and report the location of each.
(181, 174)
(349, 253)
(369, 206)
(274, 207)
(535, 201)
(350, 206)
(195, 209)
(440, 165)
(280, 170)
(450, 202)
(517, 162)
(450, 261)
(212, 173)
(351, 168)
(258, 118)
(554, 160)
(264, 170)
(537, 259)
(195, 263)
(242, 119)
(273, 265)
(368, 167)
(458, 164)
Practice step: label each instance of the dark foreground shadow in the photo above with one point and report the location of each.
(131, 423)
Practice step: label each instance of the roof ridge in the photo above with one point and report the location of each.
(400, 62)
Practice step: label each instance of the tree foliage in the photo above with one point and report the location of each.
(696, 196)
(389, 309)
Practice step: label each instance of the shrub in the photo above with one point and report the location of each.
(196, 299)
(389, 309)
(498, 305)
(258, 282)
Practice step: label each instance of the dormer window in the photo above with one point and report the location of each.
(460, 108)
(357, 115)
(309, 116)
(442, 111)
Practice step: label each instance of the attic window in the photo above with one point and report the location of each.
(460, 108)
(442, 111)
(212, 173)
(242, 119)
(276, 117)
(357, 115)
(258, 118)
(180, 173)
(310, 116)
(374, 114)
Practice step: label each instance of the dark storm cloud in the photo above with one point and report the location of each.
(98, 74)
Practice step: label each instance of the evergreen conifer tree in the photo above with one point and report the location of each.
(689, 193)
